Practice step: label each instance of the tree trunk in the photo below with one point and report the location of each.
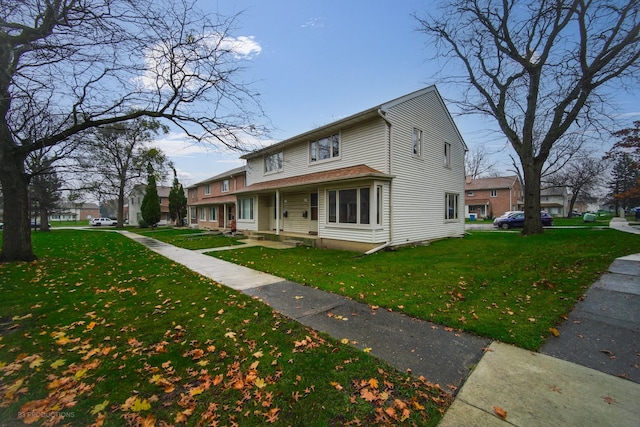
(532, 219)
(16, 236)
(120, 211)
(44, 219)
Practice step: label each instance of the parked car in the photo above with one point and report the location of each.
(516, 219)
(103, 221)
(1, 225)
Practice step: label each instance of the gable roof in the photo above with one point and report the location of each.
(377, 111)
(227, 174)
(491, 183)
(352, 172)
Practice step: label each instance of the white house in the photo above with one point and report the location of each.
(389, 175)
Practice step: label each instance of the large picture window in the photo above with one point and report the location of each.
(349, 206)
(246, 208)
(325, 148)
(451, 206)
(274, 162)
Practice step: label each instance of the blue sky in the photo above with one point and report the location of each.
(318, 61)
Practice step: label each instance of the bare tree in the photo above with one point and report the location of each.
(115, 158)
(540, 68)
(582, 175)
(477, 163)
(69, 66)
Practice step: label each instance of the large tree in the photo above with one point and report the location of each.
(540, 68)
(69, 66)
(116, 156)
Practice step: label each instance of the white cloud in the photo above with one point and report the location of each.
(243, 47)
(313, 23)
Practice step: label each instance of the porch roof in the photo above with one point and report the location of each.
(218, 200)
(348, 173)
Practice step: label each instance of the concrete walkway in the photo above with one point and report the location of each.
(587, 376)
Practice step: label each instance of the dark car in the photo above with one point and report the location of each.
(516, 219)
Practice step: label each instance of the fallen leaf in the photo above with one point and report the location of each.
(609, 400)
(99, 407)
(500, 412)
(554, 331)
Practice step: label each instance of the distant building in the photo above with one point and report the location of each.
(491, 197)
(132, 211)
(74, 212)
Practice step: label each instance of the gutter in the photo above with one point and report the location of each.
(383, 115)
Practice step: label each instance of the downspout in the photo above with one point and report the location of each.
(382, 114)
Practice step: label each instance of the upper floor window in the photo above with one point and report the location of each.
(224, 185)
(417, 142)
(274, 162)
(207, 189)
(325, 148)
(470, 193)
(493, 193)
(447, 154)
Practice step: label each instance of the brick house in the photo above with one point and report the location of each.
(491, 197)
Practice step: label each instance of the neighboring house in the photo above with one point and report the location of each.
(132, 208)
(75, 212)
(389, 175)
(491, 197)
(212, 202)
(555, 200)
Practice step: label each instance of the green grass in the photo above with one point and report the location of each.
(102, 330)
(495, 284)
(189, 238)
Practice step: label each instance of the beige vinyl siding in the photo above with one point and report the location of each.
(362, 144)
(420, 183)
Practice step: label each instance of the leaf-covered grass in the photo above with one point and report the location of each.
(102, 331)
(189, 238)
(495, 284)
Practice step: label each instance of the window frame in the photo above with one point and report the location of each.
(447, 154)
(417, 142)
(493, 193)
(345, 210)
(448, 217)
(224, 185)
(213, 213)
(241, 209)
(203, 214)
(207, 189)
(271, 166)
(334, 148)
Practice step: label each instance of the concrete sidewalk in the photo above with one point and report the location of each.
(574, 383)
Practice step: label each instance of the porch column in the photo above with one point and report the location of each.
(224, 215)
(277, 212)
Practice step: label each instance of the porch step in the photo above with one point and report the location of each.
(292, 243)
(256, 237)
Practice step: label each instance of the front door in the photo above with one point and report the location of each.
(313, 213)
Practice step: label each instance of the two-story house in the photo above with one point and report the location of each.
(390, 175)
(491, 197)
(212, 202)
(132, 208)
(555, 200)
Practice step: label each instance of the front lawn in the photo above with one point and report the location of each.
(189, 238)
(102, 331)
(496, 284)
